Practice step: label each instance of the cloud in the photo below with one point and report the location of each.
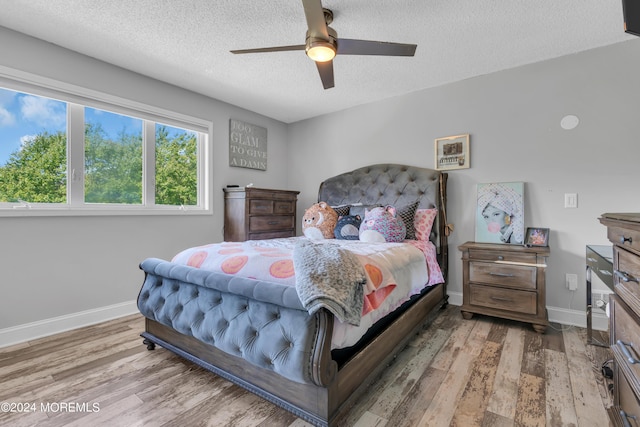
(43, 111)
(6, 118)
(24, 139)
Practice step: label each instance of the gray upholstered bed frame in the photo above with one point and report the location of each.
(265, 342)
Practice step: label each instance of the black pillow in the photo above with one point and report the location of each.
(342, 210)
(408, 215)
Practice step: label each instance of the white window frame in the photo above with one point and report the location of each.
(77, 99)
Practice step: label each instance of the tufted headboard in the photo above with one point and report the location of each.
(397, 185)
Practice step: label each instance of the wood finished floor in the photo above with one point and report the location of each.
(478, 372)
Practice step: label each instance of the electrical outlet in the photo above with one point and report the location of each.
(599, 300)
(572, 281)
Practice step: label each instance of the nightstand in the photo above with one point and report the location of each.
(506, 281)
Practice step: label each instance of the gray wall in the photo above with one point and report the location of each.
(514, 121)
(57, 266)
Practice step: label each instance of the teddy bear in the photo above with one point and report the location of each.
(348, 227)
(382, 225)
(319, 221)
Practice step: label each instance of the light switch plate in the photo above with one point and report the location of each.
(571, 200)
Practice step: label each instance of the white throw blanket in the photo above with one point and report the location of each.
(330, 277)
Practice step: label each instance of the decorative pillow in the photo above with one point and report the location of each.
(348, 227)
(342, 210)
(382, 225)
(423, 222)
(407, 214)
(318, 221)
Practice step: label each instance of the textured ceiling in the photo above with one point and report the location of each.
(187, 43)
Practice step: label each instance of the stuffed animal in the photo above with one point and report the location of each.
(319, 221)
(382, 225)
(348, 227)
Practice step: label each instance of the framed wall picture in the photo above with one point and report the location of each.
(452, 152)
(500, 213)
(537, 237)
(247, 145)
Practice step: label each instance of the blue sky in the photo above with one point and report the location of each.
(22, 116)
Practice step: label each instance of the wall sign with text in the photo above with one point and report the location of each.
(247, 145)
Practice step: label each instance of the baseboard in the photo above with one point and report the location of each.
(600, 322)
(42, 328)
(455, 298)
(46, 327)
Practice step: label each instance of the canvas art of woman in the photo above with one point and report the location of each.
(500, 213)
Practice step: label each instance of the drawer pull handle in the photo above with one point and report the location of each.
(625, 418)
(626, 352)
(500, 257)
(273, 222)
(501, 299)
(501, 274)
(625, 277)
(625, 239)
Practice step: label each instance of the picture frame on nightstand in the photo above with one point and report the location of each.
(536, 236)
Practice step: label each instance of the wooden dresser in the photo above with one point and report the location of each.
(623, 230)
(505, 281)
(259, 213)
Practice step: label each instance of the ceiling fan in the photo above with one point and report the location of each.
(322, 43)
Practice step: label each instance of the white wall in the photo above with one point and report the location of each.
(514, 121)
(62, 266)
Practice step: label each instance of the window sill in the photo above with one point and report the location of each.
(20, 211)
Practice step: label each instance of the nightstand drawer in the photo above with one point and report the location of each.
(513, 276)
(270, 223)
(503, 299)
(502, 256)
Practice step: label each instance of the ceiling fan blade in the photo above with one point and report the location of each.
(326, 73)
(270, 49)
(369, 47)
(315, 18)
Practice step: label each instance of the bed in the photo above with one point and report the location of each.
(258, 335)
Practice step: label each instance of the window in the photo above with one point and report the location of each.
(58, 154)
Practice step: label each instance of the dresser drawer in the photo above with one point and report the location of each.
(270, 223)
(624, 237)
(271, 235)
(513, 276)
(626, 402)
(265, 207)
(627, 276)
(502, 256)
(625, 337)
(503, 299)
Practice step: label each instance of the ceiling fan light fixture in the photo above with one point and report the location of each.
(321, 51)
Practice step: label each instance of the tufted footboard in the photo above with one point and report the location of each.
(270, 335)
